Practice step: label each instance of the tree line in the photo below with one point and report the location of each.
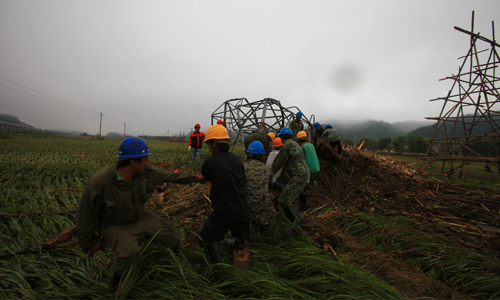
(398, 144)
(417, 144)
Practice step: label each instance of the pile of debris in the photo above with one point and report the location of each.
(369, 183)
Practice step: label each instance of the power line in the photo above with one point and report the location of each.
(75, 105)
(44, 123)
(41, 93)
(82, 109)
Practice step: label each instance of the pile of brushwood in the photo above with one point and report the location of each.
(375, 228)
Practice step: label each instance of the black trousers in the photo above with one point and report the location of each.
(215, 228)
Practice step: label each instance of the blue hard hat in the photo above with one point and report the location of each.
(285, 130)
(316, 125)
(256, 147)
(329, 126)
(133, 147)
(299, 114)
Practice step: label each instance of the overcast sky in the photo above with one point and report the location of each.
(162, 66)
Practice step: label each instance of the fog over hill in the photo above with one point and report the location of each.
(357, 129)
(353, 129)
(13, 120)
(408, 126)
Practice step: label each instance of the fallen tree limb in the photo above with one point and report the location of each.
(61, 237)
(74, 190)
(37, 213)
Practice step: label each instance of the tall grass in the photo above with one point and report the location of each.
(33, 167)
(467, 269)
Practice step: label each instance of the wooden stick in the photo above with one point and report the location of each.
(37, 213)
(62, 236)
(334, 253)
(74, 190)
(27, 250)
(325, 143)
(485, 207)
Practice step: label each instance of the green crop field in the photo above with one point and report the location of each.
(40, 185)
(474, 175)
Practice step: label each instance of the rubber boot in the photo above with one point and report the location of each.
(292, 214)
(276, 204)
(213, 252)
(303, 200)
(116, 280)
(235, 242)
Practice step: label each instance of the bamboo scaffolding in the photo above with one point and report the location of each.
(474, 89)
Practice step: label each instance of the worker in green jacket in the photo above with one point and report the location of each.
(312, 162)
(112, 211)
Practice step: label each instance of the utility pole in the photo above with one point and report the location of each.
(100, 126)
(124, 129)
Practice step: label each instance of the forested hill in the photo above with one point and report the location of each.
(427, 131)
(369, 128)
(12, 119)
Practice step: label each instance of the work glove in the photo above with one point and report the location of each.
(189, 148)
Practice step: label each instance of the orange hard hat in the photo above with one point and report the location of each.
(197, 126)
(277, 142)
(271, 135)
(301, 134)
(216, 132)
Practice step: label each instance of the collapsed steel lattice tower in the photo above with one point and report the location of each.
(468, 120)
(268, 115)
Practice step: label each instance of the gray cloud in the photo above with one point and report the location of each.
(163, 65)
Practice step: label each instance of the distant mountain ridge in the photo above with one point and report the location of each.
(13, 119)
(353, 130)
(375, 129)
(427, 131)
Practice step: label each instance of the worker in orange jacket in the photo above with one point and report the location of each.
(195, 141)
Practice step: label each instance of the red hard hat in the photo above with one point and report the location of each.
(277, 142)
(219, 122)
(197, 126)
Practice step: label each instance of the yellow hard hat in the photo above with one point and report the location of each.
(216, 132)
(301, 134)
(271, 135)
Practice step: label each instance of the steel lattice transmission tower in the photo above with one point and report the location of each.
(268, 115)
(467, 129)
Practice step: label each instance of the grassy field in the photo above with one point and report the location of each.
(40, 187)
(474, 175)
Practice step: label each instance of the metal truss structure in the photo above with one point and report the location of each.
(469, 119)
(266, 115)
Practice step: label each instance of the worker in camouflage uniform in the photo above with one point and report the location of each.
(112, 209)
(319, 129)
(295, 172)
(265, 139)
(332, 137)
(296, 125)
(260, 207)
